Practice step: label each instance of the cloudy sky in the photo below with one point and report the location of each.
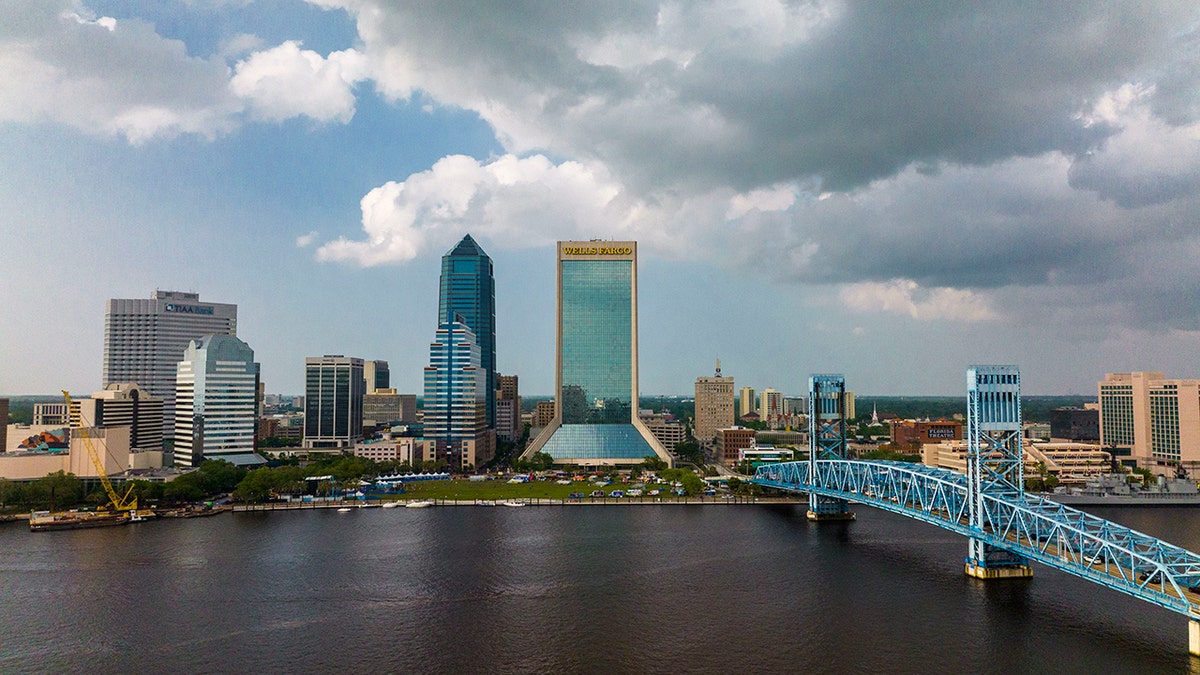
(893, 192)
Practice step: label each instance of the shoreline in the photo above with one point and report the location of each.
(541, 501)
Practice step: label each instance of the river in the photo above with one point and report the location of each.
(580, 589)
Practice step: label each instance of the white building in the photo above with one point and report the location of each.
(216, 393)
(145, 339)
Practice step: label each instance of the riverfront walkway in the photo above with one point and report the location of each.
(586, 501)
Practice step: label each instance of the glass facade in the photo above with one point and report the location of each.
(468, 288)
(596, 420)
(597, 341)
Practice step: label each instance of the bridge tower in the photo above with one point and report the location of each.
(826, 439)
(995, 462)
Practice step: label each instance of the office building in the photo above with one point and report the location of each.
(770, 407)
(123, 404)
(1151, 421)
(144, 340)
(468, 288)
(376, 376)
(1075, 424)
(386, 407)
(216, 393)
(668, 430)
(596, 375)
(49, 414)
(731, 442)
(333, 401)
(713, 406)
(747, 401)
(508, 409)
(456, 431)
(543, 414)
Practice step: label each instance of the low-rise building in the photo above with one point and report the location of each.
(731, 442)
(53, 413)
(914, 433)
(668, 430)
(404, 449)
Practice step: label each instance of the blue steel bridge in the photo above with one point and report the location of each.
(1005, 528)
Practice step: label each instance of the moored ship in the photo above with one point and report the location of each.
(44, 521)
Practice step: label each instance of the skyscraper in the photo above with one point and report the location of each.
(468, 288)
(714, 405)
(376, 375)
(333, 401)
(144, 340)
(216, 410)
(455, 395)
(596, 417)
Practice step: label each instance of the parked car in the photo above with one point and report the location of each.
(597, 493)
(617, 493)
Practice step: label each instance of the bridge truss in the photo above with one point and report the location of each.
(1005, 527)
(1033, 528)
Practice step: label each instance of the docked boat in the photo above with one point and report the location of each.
(345, 509)
(485, 502)
(44, 521)
(419, 504)
(514, 502)
(391, 505)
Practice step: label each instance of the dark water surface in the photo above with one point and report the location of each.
(649, 589)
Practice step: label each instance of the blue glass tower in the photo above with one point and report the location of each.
(596, 413)
(468, 289)
(454, 394)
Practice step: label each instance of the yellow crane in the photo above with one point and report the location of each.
(117, 502)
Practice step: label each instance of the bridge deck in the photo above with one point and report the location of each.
(1034, 528)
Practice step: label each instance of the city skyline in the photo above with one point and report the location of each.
(885, 192)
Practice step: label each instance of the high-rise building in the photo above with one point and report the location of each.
(770, 407)
(1075, 424)
(123, 404)
(216, 410)
(333, 401)
(455, 395)
(1151, 420)
(748, 401)
(713, 406)
(468, 288)
(144, 340)
(376, 375)
(596, 376)
(508, 409)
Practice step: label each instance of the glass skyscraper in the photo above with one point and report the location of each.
(468, 289)
(455, 432)
(596, 414)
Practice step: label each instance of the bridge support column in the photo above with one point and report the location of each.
(987, 562)
(827, 508)
(1194, 637)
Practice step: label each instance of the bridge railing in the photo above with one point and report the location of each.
(1038, 529)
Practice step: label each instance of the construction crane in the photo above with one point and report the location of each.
(118, 503)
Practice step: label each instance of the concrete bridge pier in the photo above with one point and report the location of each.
(987, 562)
(828, 508)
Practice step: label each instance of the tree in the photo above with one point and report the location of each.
(654, 462)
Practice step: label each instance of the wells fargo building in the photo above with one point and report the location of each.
(596, 413)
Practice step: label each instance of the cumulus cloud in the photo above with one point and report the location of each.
(530, 200)
(306, 240)
(906, 297)
(287, 81)
(59, 63)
